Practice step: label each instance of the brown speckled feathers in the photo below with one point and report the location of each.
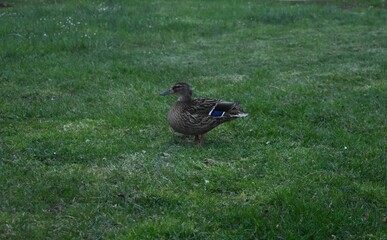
(198, 116)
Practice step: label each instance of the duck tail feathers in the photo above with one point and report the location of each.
(240, 115)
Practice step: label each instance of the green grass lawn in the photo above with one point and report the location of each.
(86, 151)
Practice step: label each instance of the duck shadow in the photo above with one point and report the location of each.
(210, 141)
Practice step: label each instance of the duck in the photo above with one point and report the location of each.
(197, 116)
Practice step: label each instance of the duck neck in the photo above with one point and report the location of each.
(185, 98)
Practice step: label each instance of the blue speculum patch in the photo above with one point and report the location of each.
(216, 113)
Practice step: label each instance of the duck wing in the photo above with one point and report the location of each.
(201, 106)
(211, 107)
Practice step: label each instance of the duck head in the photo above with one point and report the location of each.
(181, 89)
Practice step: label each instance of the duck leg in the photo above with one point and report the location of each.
(199, 139)
(202, 137)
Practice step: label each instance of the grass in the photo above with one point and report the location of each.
(86, 152)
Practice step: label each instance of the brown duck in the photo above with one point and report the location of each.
(197, 116)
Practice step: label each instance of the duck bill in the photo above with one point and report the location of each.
(167, 92)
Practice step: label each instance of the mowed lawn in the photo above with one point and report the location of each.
(86, 151)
